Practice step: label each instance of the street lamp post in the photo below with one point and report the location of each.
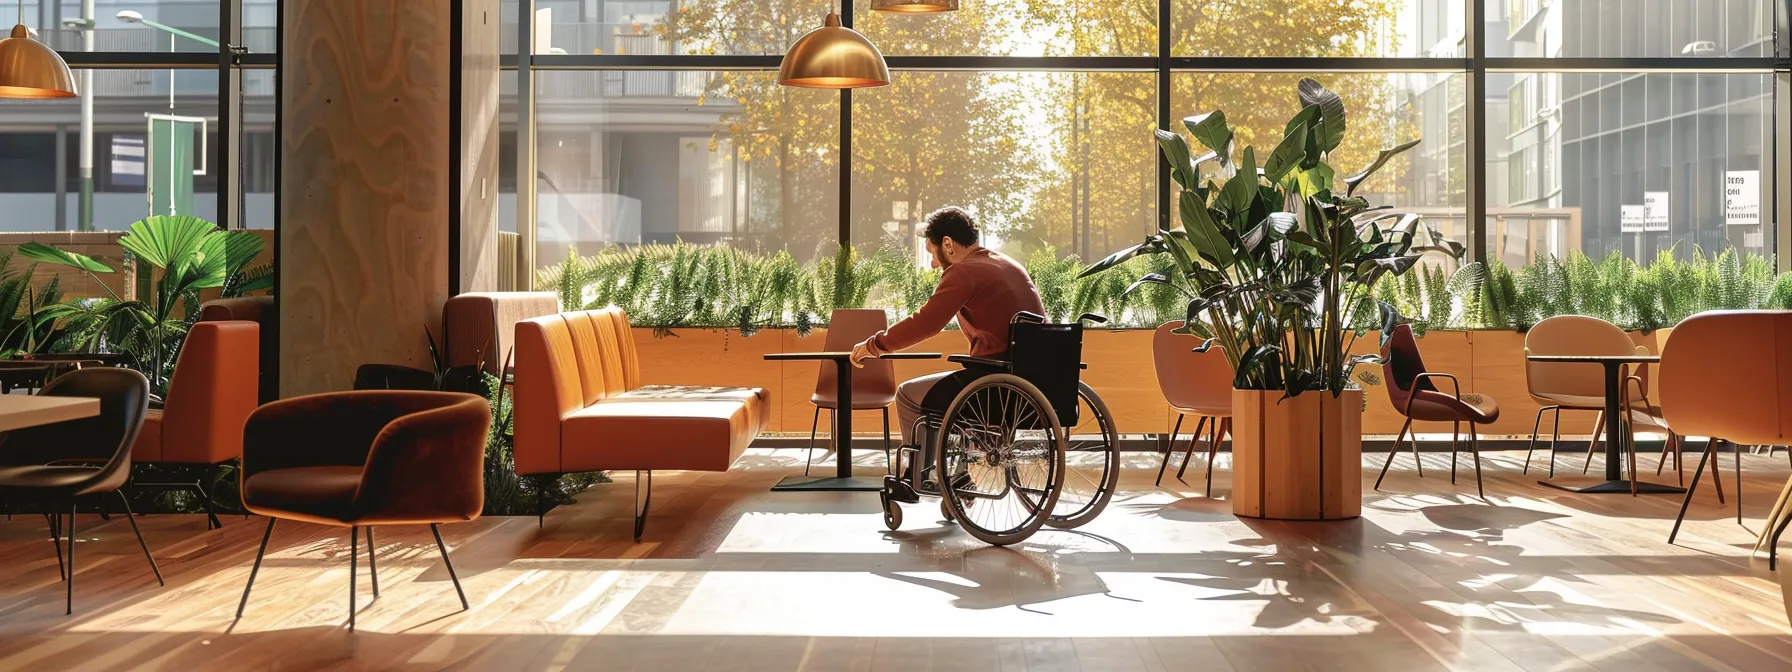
(129, 16)
(84, 209)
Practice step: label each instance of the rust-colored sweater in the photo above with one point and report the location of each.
(984, 290)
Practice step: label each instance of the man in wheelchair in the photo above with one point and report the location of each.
(983, 288)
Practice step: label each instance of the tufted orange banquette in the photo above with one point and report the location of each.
(580, 406)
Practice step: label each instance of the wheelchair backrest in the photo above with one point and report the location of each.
(1050, 357)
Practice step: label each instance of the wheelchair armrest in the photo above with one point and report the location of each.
(981, 361)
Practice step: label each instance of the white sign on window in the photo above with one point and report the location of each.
(1655, 211)
(1742, 197)
(1631, 220)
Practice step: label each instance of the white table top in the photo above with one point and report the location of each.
(20, 410)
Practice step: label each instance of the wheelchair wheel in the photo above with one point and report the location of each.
(1000, 459)
(1091, 464)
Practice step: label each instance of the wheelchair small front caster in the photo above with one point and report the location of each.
(946, 511)
(892, 512)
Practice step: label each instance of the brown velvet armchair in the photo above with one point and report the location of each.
(359, 459)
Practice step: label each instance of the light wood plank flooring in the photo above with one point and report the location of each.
(734, 577)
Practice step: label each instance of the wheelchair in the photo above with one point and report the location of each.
(1024, 444)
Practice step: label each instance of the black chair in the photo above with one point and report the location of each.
(66, 461)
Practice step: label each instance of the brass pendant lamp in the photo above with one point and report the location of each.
(914, 6)
(31, 69)
(833, 57)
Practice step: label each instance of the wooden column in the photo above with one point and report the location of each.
(374, 179)
(478, 133)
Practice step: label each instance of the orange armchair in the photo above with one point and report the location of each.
(359, 459)
(210, 396)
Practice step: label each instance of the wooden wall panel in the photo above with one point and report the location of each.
(479, 146)
(366, 141)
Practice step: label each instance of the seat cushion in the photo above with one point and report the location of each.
(860, 400)
(643, 433)
(1570, 401)
(317, 494)
(50, 480)
(1434, 406)
(757, 401)
(148, 447)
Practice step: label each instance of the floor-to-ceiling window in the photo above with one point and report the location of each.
(155, 130)
(1547, 127)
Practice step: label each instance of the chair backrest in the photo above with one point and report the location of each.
(1728, 374)
(1187, 378)
(846, 328)
(1404, 364)
(105, 438)
(479, 328)
(1050, 356)
(625, 337)
(212, 393)
(1574, 335)
(260, 310)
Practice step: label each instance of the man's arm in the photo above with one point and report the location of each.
(951, 294)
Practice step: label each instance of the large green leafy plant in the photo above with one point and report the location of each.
(176, 257)
(1275, 256)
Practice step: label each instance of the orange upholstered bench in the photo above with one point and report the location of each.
(580, 406)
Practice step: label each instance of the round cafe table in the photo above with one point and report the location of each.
(842, 480)
(1614, 435)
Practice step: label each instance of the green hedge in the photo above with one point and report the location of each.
(691, 286)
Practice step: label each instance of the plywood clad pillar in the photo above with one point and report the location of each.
(479, 146)
(366, 196)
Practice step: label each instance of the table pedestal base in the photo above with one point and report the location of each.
(1619, 486)
(829, 484)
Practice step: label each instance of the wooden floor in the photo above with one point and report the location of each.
(733, 577)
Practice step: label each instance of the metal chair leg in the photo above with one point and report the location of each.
(1171, 446)
(643, 500)
(354, 554)
(1737, 451)
(809, 457)
(1213, 454)
(70, 607)
(205, 499)
(256, 568)
(889, 454)
(450, 565)
(1533, 447)
(1395, 451)
(1598, 432)
(1555, 434)
(131, 516)
(55, 520)
(1455, 434)
(373, 569)
(1773, 543)
(1474, 446)
(1213, 434)
(1704, 457)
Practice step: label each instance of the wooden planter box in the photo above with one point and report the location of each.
(1298, 458)
(1490, 363)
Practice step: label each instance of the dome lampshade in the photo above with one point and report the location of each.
(31, 69)
(833, 57)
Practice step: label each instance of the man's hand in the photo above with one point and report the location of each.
(862, 352)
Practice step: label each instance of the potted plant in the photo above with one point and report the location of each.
(1277, 257)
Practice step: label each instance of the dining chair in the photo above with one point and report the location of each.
(1558, 386)
(1413, 395)
(1194, 383)
(873, 387)
(200, 425)
(67, 461)
(1727, 375)
(366, 458)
